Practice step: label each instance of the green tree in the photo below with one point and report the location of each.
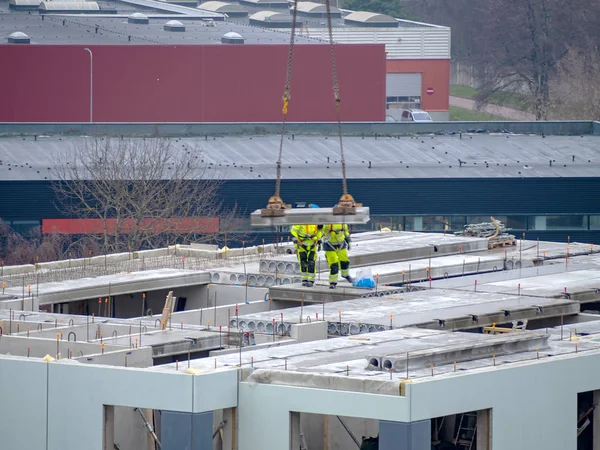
(390, 7)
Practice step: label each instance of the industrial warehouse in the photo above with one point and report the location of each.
(192, 68)
(435, 177)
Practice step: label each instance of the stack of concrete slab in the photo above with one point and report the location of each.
(388, 248)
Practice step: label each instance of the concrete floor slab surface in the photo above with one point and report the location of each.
(426, 307)
(122, 283)
(344, 358)
(546, 281)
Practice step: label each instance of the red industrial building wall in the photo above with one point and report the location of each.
(435, 95)
(188, 83)
(96, 226)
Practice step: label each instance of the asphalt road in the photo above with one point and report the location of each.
(495, 110)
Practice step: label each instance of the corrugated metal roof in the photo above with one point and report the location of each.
(80, 29)
(316, 157)
(400, 43)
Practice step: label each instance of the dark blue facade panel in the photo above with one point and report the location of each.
(35, 200)
(473, 197)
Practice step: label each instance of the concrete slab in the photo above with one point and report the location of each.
(491, 346)
(401, 246)
(123, 283)
(576, 281)
(309, 216)
(435, 309)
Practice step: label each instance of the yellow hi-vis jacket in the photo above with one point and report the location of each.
(336, 233)
(306, 235)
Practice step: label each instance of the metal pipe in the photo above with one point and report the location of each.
(91, 85)
(149, 427)
(349, 432)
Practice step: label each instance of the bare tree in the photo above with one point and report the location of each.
(575, 91)
(141, 193)
(515, 45)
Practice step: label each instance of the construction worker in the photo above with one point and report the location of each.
(307, 241)
(336, 243)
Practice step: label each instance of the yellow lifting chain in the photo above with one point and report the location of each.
(346, 204)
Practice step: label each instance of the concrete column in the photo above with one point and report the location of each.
(109, 427)
(405, 436)
(295, 441)
(596, 422)
(484, 429)
(186, 431)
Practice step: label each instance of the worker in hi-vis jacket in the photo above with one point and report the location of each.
(336, 243)
(307, 241)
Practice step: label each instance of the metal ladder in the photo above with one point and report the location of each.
(466, 431)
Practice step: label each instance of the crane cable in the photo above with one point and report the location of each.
(286, 100)
(346, 200)
(336, 95)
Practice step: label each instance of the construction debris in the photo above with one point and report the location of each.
(495, 232)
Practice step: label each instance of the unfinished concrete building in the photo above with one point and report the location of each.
(458, 345)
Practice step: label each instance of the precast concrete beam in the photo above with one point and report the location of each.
(309, 216)
(521, 341)
(320, 292)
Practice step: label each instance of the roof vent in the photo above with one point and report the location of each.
(312, 9)
(174, 25)
(369, 19)
(223, 8)
(232, 38)
(18, 38)
(138, 18)
(272, 19)
(24, 4)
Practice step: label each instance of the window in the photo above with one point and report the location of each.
(594, 222)
(566, 222)
(558, 223)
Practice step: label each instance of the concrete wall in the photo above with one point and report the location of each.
(23, 403)
(138, 357)
(533, 405)
(69, 415)
(219, 315)
(264, 410)
(38, 348)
